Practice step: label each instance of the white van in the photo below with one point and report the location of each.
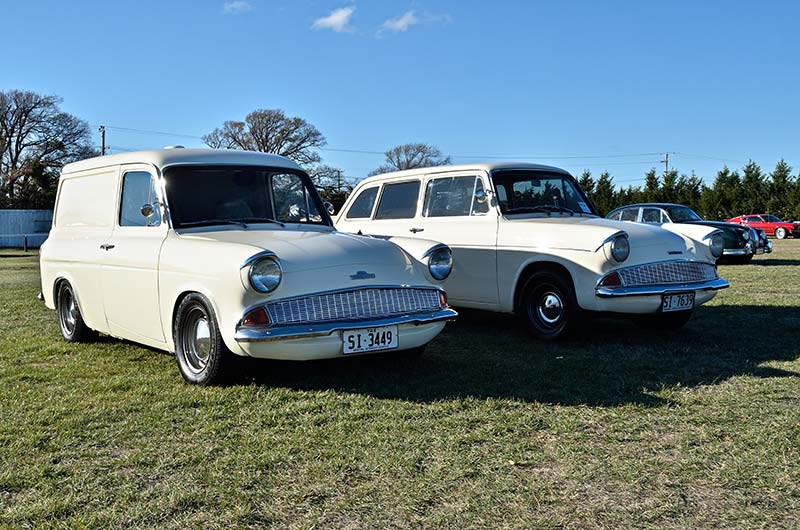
(204, 253)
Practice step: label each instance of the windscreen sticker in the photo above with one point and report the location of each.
(584, 207)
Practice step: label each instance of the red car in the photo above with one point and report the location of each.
(769, 224)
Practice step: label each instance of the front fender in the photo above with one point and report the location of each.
(695, 236)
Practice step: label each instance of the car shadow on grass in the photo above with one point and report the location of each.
(772, 262)
(609, 362)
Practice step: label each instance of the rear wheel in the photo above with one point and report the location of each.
(780, 233)
(547, 306)
(203, 358)
(73, 327)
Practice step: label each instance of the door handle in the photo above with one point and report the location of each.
(415, 230)
(106, 246)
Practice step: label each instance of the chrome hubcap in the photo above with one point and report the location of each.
(550, 307)
(69, 311)
(195, 340)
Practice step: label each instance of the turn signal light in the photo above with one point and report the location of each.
(256, 317)
(612, 280)
(442, 299)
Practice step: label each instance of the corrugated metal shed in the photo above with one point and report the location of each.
(17, 225)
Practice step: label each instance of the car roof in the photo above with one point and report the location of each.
(478, 166)
(651, 204)
(166, 157)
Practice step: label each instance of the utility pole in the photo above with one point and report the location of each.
(666, 163)
(102, 130)
(339, 180)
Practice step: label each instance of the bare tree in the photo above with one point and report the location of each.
(333, 186)
(270, 131)
(36, 139)
(411, 156)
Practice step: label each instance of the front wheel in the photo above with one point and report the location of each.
(202, 356)
(780, 233)
(547, 306)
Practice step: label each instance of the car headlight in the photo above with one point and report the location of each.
(440, 263)
(265, 274)
(716, 244)
(620, 248)
(746, 235)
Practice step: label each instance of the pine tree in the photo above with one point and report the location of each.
(604, 196)
(779, 199)
(652, 187)
(669, 187)
(722, 199)
(753, 199)
(587, 182)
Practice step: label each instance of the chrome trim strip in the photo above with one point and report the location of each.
(434, 249)
(649, 290)
(254, 257)
(258, 334)
(735, 252)
(612, 236)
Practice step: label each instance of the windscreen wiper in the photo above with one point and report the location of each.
(206, 222)
(258, 220)
(541, 208)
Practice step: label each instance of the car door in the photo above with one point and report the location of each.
(456, 211)
(130, 267)
(756, 221)
(395, 212)
(630, 215)
(652, 216)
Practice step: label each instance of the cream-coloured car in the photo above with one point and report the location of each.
(204, 253)
(526, 239)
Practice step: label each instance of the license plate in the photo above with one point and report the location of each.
(677, 302)
(369, 339)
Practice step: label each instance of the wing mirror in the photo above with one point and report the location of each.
(480, 196)
(329, 206)
(148, 210)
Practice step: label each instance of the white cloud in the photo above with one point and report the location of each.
(236, 7)
(401, 23)
(337, 20)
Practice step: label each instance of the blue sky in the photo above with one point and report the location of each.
(508, 79)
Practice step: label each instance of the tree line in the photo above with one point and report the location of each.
(37, 138)
(732, 193)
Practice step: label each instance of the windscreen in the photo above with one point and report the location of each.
(209, 195)
(682, 214)
(531, 191)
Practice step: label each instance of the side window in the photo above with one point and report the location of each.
(629, 215)
(502, 195)
(398, 201)
(362, 206)
(291, 199)
(449, 197)
(138, 189)
(615, 215)
(752, 220)
(651, 215)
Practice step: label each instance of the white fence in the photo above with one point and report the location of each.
(24, 228)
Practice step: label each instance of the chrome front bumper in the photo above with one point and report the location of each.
(737, 251)
(265, 333)
(650, 290)
(765, 249)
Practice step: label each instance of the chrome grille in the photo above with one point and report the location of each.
(358, 304)
(669, 272)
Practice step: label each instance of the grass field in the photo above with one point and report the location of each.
(615, 428)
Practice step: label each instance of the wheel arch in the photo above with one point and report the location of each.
(537, 266)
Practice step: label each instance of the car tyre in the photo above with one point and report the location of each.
(70, 319)
(548, 307)
(203, 359)
(780, 233)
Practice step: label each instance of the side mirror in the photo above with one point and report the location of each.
(480, 196)
(329, 206)
(147, 210)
